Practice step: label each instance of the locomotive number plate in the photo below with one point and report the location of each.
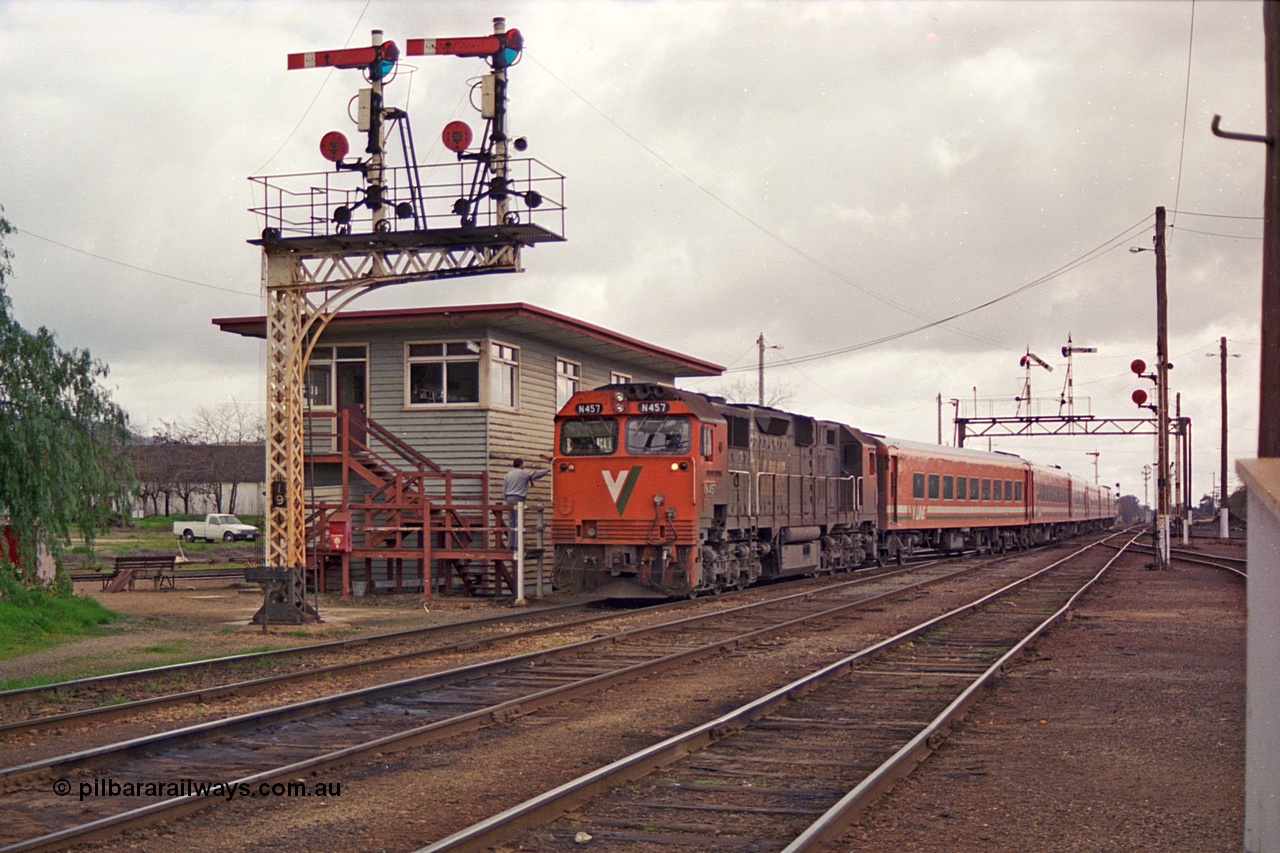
(652, 408)
(590, 408)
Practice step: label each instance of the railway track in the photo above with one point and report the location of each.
(266, 747)
(790, 769)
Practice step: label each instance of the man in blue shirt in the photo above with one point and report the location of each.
(515, 485)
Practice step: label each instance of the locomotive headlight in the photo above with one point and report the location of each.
(619, 397)
(619, 407)
(679, 466)
(567, 466)
(591, 532)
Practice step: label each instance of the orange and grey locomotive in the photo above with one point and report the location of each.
(678, 494)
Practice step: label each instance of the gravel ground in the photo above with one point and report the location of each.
(1122, 730)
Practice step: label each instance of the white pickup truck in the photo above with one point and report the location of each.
(228, 528)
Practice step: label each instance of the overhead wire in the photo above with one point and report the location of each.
(1108, 246)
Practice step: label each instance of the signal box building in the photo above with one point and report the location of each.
(414, 416)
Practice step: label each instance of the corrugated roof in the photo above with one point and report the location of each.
(519, 317)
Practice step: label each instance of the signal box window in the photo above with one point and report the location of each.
(649, 436)
(917, 485)
(568, 380)
(442, 373)
(504, 376)
(962, 488)
(588, 437)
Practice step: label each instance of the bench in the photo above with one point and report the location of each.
(158, 570)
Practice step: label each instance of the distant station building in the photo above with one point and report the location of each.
(414, 415)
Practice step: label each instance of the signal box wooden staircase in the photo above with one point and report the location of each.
(400, 521)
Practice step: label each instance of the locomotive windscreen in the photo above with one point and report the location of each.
(588, 436)
(658, 435)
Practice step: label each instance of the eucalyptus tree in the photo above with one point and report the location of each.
(63, 470)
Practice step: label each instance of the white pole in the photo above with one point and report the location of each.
(520, 599)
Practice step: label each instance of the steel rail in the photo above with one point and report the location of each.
(551, 804)
(835, 821)
(472, 720)
(201, 695)
(99, 681)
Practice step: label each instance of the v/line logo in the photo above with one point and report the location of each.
(621, 485)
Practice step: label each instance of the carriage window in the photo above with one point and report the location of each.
(588, 437)
(995, 490)
(986, 489)
(933, 487)
(659, 435)
(1017, 491)
(1008, 490)
(973, 488)
(962, 488)
(948, 484)
(917, 485)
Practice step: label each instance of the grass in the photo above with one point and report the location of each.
(155, 533)
(32, 619)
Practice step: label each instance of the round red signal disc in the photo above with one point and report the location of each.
(1138, 366)
(333, 146)
(456, 136)
(1139, 397)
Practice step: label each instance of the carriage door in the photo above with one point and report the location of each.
(352, 370)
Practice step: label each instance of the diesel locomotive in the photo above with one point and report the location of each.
(677, 493)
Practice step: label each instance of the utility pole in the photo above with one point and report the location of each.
(760, 371)
(1162, 397)
(1146, 485)
(939, 418)
(1224, 530)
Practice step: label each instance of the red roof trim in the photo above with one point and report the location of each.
(256, 327)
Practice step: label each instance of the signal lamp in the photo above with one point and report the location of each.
(533, 198)
(1139, 397)
(404, 210)
(457, 136)
(1138, 366)
(342, 215)
(388, 54)
(334, 146)
(460, 207)
(512, 44)
(520, 143)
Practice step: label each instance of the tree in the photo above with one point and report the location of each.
(63, 468)
(779, 395)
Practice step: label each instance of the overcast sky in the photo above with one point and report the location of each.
(824, 173)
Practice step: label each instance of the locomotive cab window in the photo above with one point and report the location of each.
(649, 436)
(588, 437)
